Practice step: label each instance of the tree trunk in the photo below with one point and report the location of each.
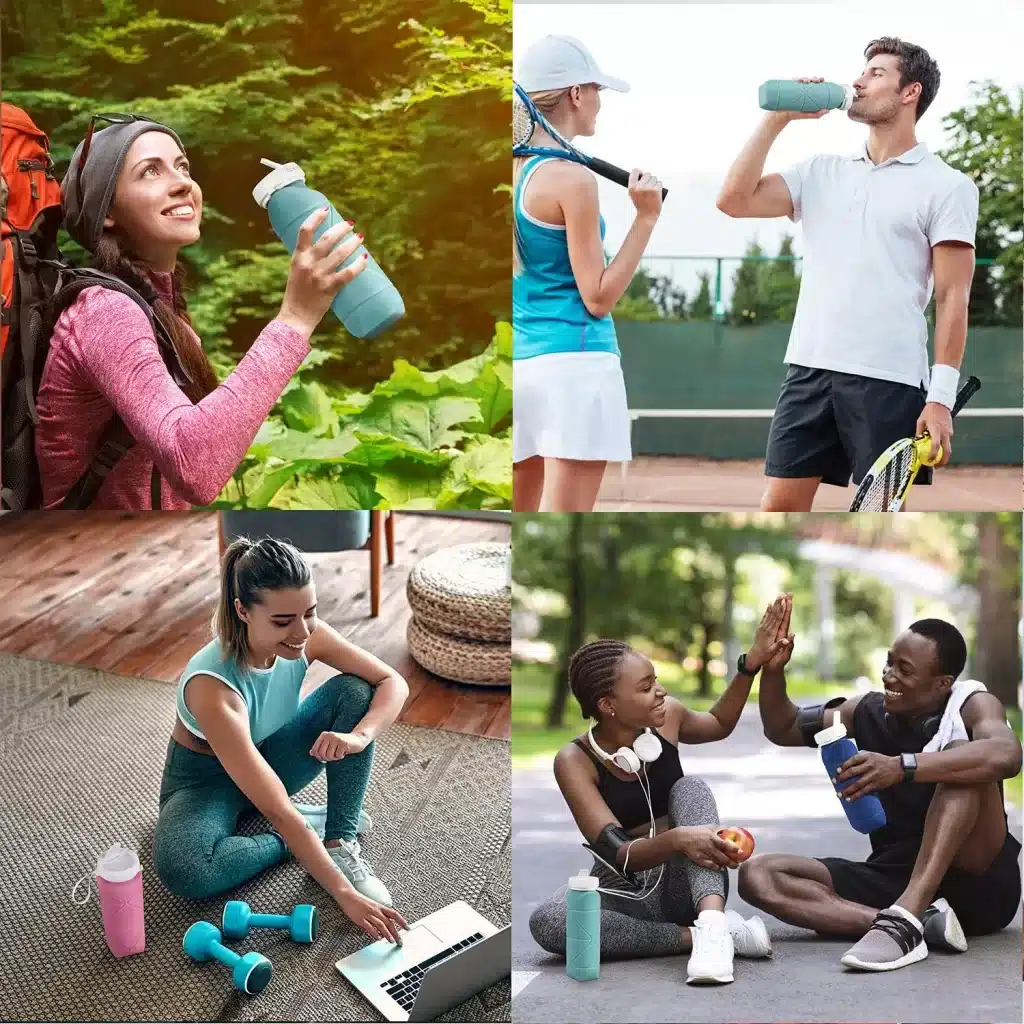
(997, 654)
(707, 636)
(575, 626)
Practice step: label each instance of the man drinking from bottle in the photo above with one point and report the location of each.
(881, 228)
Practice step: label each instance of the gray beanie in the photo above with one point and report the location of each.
(107, 153)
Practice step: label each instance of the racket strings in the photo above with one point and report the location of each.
(889, 483)
(522, 124)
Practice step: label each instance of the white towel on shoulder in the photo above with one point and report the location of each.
(952, 725)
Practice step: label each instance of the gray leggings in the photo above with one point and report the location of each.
(649, 927)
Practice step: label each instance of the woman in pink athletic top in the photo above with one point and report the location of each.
(133, 204)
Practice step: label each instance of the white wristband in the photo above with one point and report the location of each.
(944, 383)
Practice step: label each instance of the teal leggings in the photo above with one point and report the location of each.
(197, 851)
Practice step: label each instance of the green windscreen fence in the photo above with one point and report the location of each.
(690, 365)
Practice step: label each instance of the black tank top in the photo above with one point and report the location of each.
(626, 800)
(906, 803)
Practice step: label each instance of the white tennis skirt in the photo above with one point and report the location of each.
(570, 405)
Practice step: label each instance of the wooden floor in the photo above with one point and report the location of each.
(134, 593)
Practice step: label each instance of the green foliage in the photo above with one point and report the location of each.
(397, 110)
(416, 440)
(651, 297)
(765, 290)
(987, 138)
(702, 308)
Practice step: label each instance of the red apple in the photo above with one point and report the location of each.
(739, 837)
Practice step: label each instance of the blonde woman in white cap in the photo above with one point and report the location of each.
(570, 416)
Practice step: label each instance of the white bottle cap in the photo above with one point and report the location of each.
(583, 881)
(836, 731)
(118, 864)
(281, 175)
(849, 95)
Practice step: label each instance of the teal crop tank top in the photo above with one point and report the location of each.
(548, 313)
(271, 695)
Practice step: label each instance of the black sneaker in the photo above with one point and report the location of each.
(892, 942)
(942, 928)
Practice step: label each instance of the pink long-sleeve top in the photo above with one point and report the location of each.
(104, 359)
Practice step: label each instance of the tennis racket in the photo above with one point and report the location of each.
(526, 119)
(888, 481)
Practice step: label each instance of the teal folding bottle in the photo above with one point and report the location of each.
(369, 304)
(805, 97)
(583, 928)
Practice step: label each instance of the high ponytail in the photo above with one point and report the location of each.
(249, 569)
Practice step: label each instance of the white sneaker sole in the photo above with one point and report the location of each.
(709, 979)
(919, 952)
(953, 938)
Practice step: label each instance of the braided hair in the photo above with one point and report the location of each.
(593, 670)
(249, 569)
(111, 257)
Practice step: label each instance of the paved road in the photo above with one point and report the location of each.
(785, 800)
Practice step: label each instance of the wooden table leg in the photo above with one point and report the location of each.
(220, 535)
(389, 529)
(376, 560)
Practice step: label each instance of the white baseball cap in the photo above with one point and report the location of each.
(557, 62)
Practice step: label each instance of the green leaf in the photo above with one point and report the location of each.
(308, 408)
(425, 423)
(485, 468)
(346, 490)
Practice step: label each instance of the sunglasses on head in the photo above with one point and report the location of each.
(109, 119)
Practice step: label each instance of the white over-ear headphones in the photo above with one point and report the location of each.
(646, 748)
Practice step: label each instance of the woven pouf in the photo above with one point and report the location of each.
(463, 592)
(477, 662)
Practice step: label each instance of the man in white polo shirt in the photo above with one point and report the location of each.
(880, 226)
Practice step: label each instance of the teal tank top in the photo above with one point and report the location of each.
(271, 695)
(548, 313)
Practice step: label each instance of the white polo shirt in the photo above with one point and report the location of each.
(867, 268)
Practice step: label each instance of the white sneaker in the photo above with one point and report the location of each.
(349, 857)
(711, 959)
(750, 937)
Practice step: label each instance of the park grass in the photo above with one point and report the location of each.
(534, 744)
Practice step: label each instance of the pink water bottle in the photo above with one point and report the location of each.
(119, 880)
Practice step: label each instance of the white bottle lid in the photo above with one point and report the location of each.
(836, 731)
(583, 881)
(849, 95)
(281, 175)
(118, 864)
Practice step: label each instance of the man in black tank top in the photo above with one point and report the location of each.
(944, 866)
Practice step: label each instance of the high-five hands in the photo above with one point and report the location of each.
(773, 642)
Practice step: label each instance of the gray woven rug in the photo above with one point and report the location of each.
(81, 754)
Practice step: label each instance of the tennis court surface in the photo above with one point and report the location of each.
(684, 484)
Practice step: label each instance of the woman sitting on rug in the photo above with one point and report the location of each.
(684, 909)
(243, 740)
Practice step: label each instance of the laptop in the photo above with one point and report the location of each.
(445, 958)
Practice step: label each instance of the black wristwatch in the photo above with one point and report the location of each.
(909, 766)
(741, 666)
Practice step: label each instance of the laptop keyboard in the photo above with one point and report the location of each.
(403, 987)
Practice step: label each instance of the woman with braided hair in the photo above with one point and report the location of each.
(130, 200)
(243, 740)
(617, 688)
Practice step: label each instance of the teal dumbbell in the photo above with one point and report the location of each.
(303, 923)
(250, 973)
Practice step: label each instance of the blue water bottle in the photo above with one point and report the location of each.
(583, 928)
(367, 305)
(866, 812)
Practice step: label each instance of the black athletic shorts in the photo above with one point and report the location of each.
(834, 425)
(984, 903)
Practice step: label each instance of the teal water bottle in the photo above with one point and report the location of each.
(866, 813)
(367, 305)
(805, 97)
(583, 928)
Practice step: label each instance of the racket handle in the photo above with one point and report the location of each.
(971, 387)
(613, 173)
